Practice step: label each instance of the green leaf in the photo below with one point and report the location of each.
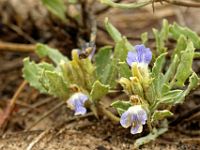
(158, 84)
(88, 72)
(43, 50)
(151, 94)
(180, 46)
(171, 70)
(79, 71)
(121, 106)
(124, 5)
(177, 31)
(56, 7)
(137, 87)
(150, 137)
(170, 97)
(120, 51)
(165, 30)
(158, 65)
(165, 88)
(193, 82)
(184, 69)
(127, 85)
(56, 85)
(115, 34)
(124, 70)
(98, 90)
(161, 37)
(160, 115)
(72, 1)
(102, 59)
(110, 74)
(160, 44)
(32, 73)
(144, 37)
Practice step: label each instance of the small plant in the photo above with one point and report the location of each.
(153, 83)
(153, 91)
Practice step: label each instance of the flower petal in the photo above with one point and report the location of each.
(132, 57)
(80, 110)
(140, 52)
(144, 54)
(147, 56)
(76, 102)
(141, 55)
(82, 97)
(137, 128)
(125, 119)
(142, 115)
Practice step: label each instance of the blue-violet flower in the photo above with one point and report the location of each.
(135, 117)
(141, 55)
(76, 102)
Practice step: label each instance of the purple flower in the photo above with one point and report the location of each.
(135, 117)
(76, 102)
(142, 55)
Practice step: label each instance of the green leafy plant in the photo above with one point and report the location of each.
(152, 81)
(153, 91)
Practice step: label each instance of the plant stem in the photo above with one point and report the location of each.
(109, 114)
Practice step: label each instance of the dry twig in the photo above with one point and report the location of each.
(37, 139)
(6, 114)
(14, 47)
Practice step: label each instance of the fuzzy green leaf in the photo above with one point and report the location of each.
(124, 70)
(56, 85)
(120, 51)
(158, 65)
(170, 97)
(184, 69)
(165, 30)
(171, 70)
(56, 7)
(194, 82)
(160, 115)
(121, 106)
(115, 34)
(102, 59)
(160, 44)
(32, 73)
(180, 46)
(158, 84)
(161, 36)
(98, 90)
(144, 37)
(177, 31)
(110, 74)
(54, 54)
